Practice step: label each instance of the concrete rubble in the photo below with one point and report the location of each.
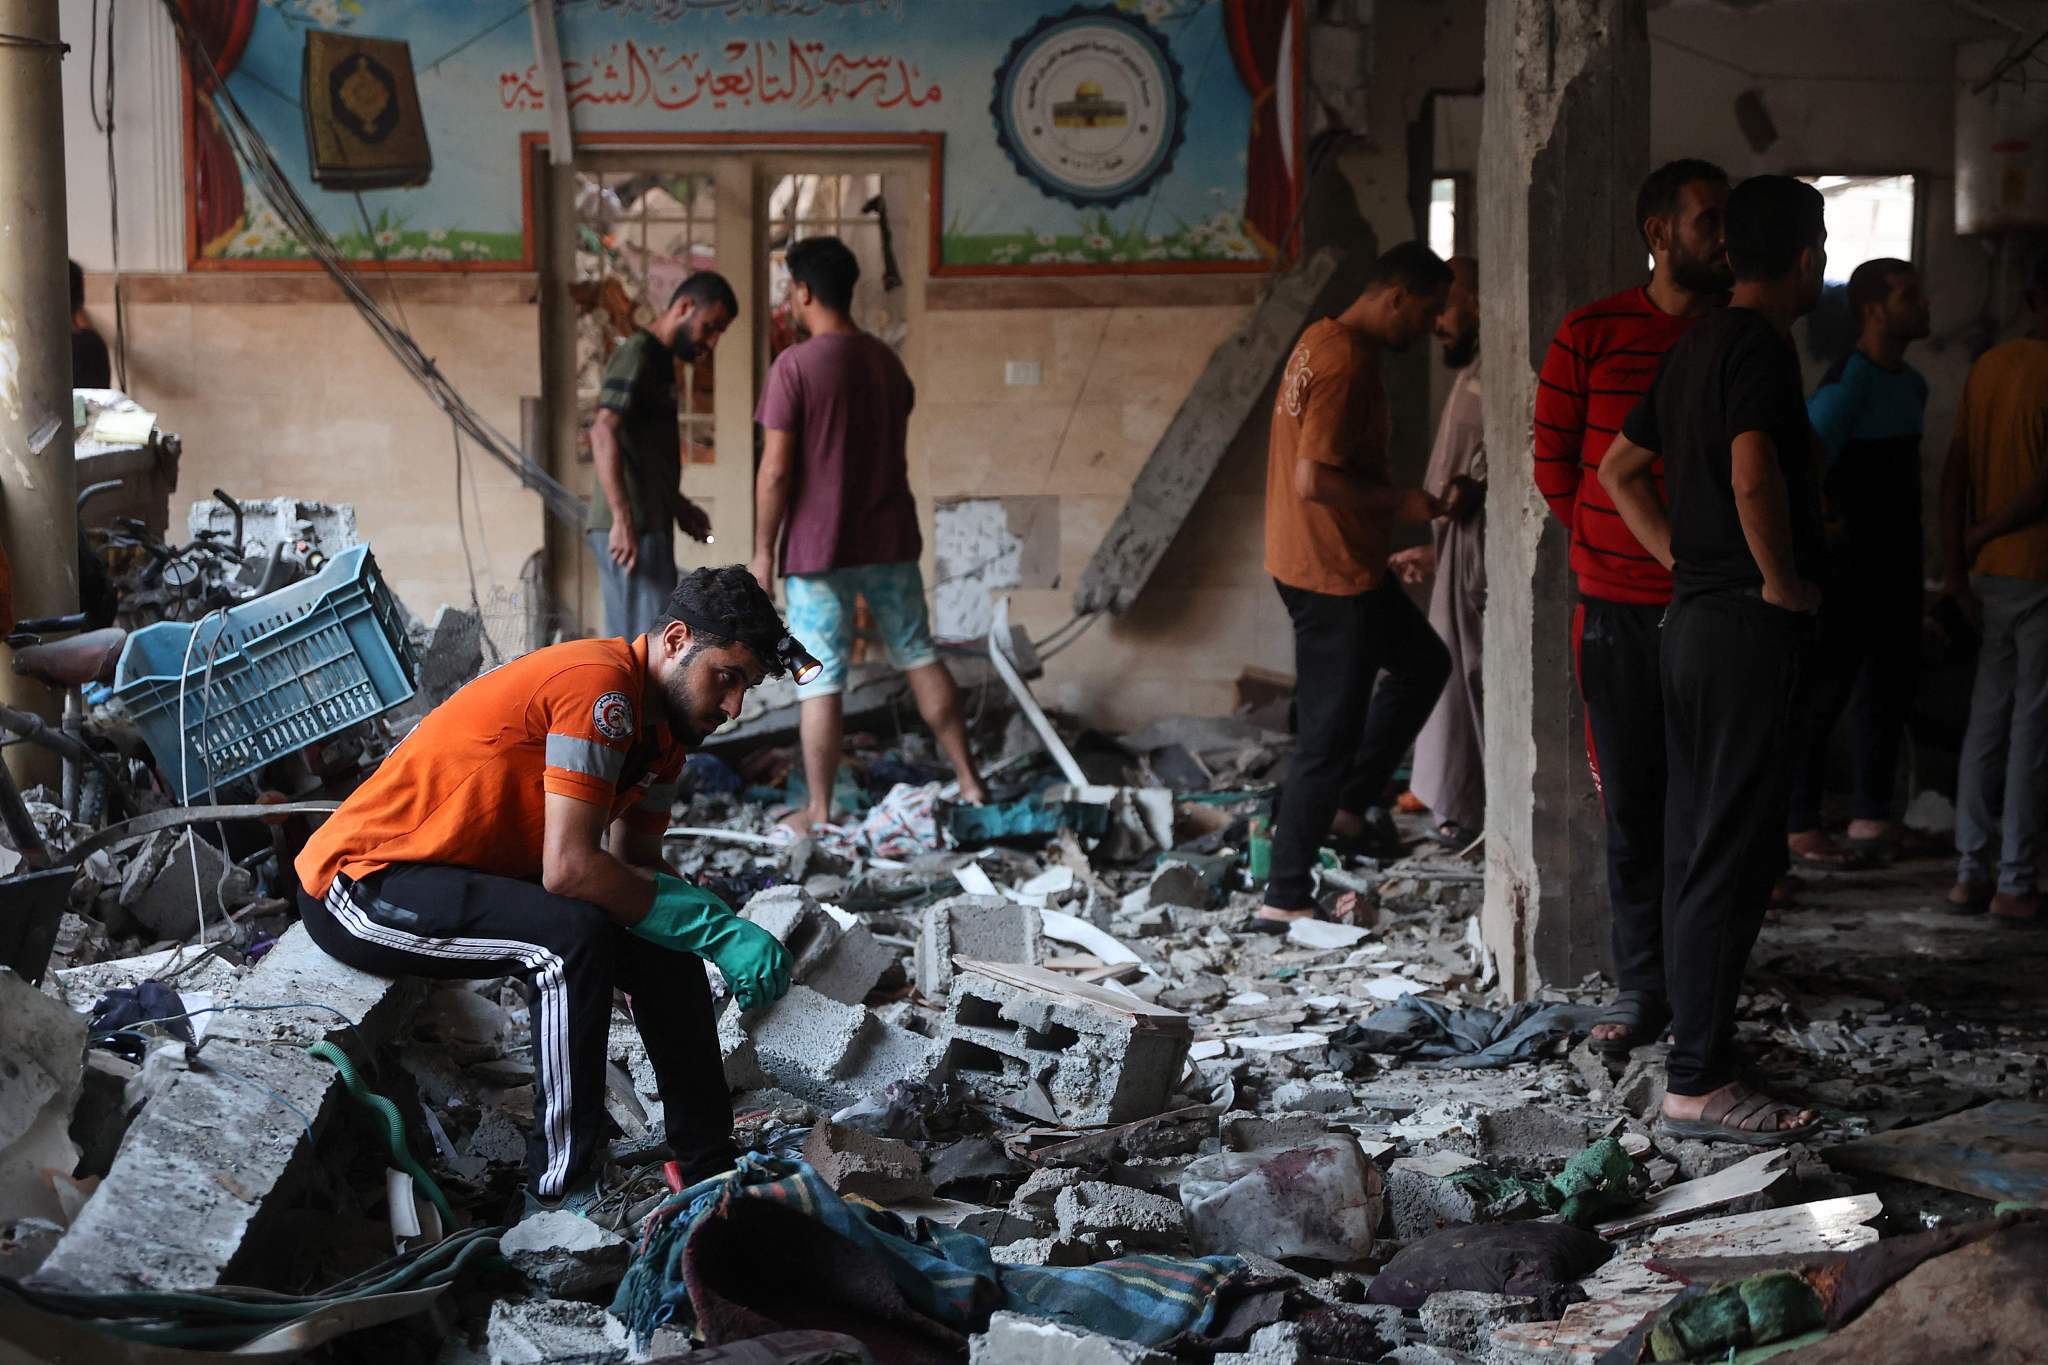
(566, 1255)
(987, 928)
(1061, 1050)
(1072, 1046)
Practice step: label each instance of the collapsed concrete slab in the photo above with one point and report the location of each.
(1061, 1050)
(40, 1082)
(183, 1205)
(157, 889)
(829, 1052)
(986, 928)
(838, 962)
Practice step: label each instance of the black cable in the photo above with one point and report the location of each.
(523, 7)
(1086, 622)
(101, 106)
(283, 198)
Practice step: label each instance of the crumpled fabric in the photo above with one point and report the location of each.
(902, 825)
(1425, 1033)
(944, 1275)
(130, 1007)
(1535, 1260)
(1597, 1181)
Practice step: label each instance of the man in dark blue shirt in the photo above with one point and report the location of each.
(1867, 413)
(1743, 540)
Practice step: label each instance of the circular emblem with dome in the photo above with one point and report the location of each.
(1088, 104)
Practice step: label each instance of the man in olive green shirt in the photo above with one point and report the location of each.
(636, 443)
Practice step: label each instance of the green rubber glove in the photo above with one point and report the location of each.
(692, 920)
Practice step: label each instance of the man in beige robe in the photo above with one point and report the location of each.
(1449, 772)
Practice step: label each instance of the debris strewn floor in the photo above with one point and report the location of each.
(1042, 1089)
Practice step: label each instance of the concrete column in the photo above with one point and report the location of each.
(1566, 143)
(38, 481)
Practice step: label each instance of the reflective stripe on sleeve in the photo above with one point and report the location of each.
(573, 755)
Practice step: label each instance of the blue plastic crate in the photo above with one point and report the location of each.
(289, 669)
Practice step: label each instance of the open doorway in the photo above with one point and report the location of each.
(625, 223)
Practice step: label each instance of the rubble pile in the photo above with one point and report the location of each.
(1026, 1044)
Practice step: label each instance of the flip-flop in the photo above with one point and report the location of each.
(1746, 1102)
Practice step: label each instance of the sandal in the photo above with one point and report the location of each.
(1256, 923)
(1643, 1013)
(1737, 1113)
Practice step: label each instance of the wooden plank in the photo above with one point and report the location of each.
(1770, 1239)
(1675, 1203)
(1997, 1151)
(1029, 978)
(1226, 397)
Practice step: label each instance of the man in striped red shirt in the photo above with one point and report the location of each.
(1601, 362)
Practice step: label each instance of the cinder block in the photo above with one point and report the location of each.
(1058, 1049)
(829, 1052)
(986, 928)
(833, 960)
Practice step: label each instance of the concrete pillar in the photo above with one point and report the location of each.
(38, 481)
(1566, 143)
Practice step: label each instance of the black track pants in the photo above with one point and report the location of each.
(451, 922)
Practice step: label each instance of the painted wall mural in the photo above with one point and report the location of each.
(1118, 135)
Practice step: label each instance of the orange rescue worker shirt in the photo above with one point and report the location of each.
(467, 787)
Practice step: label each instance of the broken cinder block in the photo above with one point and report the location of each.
(566, 1254)
(1093, 1212)
(838, 962)
(829, 1052)
(1423, 1200)
(856, 1163)
(1464, 1319)
(985, 928)
(1061, 1050)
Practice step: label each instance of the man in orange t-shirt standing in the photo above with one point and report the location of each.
(1330, 511)
(517, 832)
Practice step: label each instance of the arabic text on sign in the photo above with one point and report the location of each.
(767, 72)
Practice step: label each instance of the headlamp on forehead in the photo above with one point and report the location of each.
(791, 654)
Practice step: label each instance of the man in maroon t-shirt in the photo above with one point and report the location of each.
(835, 478)
(1601, 363)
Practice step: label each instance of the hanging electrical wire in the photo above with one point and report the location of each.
(276, 189)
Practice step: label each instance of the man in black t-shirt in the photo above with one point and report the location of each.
(1743, 541)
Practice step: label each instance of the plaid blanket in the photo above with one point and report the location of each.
(943, 1273)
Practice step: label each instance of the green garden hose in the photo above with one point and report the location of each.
(394, 1126)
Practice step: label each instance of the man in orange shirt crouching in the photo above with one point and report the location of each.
(517, 832)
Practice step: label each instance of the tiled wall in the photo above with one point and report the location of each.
(300, 399)
(1112, 379)
(295, 398)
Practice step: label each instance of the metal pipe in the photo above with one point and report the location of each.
(38, 479)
